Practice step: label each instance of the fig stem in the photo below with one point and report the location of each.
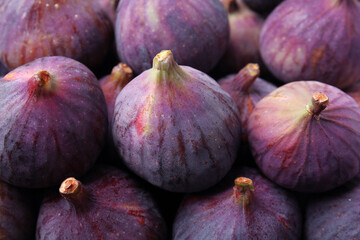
(121, 74)
(319, 102)
(42, 78)
(246, 77)
(243, 191)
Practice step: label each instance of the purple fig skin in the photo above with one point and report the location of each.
(18, 219)
(176, 127)
(197, 32)
(335, 214)
(73, 28)
(264, 212)
(299, 144)
(53, 122)
(246, 89)
(313, 40)
(111, 204)
(354, 92)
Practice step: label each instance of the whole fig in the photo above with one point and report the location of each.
(304, 136)
(252, 208)
(53, 122)
(313, 40)
(189, 28)
(176, 127)
(31, 29)
(108, 204)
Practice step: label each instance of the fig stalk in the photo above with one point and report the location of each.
(243, 191)
(42, 78)
(121, 74)
(319, 102)
(73, 191)
(246, 77)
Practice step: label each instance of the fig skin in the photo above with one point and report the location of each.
(303, 148)
(186, 27)
(53, 123)
(111, 204)
(18, 219)
(73, 28)
(335, 214)
(313, 40)
(110, 8)
(176, 127)
(264, 212)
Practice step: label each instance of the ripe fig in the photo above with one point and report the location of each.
(246, 89)
(176, 127)
(304, 136)
(108, 204)
(335, 214)
(53, 122)
(313, 40)
(354, 92)
(196, 31)
(31, 29)
(252, 208)
(263, 7)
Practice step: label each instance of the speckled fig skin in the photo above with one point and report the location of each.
(53, 122)
(354, 92)
(246, 89)
(335, 214)
(176, 127)
(313, 40)
(18, 219)
(263, 7)
(265, 211)
(32, 29)
(301, 147)
(196, 31)
(108, 204)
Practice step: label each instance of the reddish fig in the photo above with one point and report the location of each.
(196, 31)
(53, 122)
(251, 208)
(313, 40)
(176, 127)
(304, 136)
(108, 204)
(31, 29)
(246, 89)
(354, 92)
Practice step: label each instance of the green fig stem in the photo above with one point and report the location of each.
(73, 191)
(246, 77)
(243, 191)
(42, 78)
(121, 74)
(319, 102)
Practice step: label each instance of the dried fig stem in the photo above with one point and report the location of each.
(247, 76)
(42, 78)
(319, 102)
(243, 191)
(73, 191)
(121, 74)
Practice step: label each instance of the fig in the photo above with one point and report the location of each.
(176, 127)
(18, 219)
(246, 89)
(251, 208)
(188, 28)
(335, 214)
(304, 135)
(243, 48)
(53, 122)
(354, 92)
(313, 40)
(108, 203)
(263, 7)
(73, 28)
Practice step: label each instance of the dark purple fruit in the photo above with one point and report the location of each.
(73, 28)
(335, 214)
(53, 122)
(313, 40)
(354, 92)
(254, 208)
(108, 204)
(17, 216)
(196, 31)
(263, 7)
(176, 127)
(304, 136)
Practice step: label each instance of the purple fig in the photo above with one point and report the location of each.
(304, 136)
(313, 40)
(196, 31)
(176, 127)
(251, 208)
(31, 29)
(354, 92)
(53, 122)
(335, 214)
(108, 204)
(246, 89)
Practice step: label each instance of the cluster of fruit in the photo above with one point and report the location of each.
(158, 149)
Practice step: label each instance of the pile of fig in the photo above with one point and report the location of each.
(179, 119)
